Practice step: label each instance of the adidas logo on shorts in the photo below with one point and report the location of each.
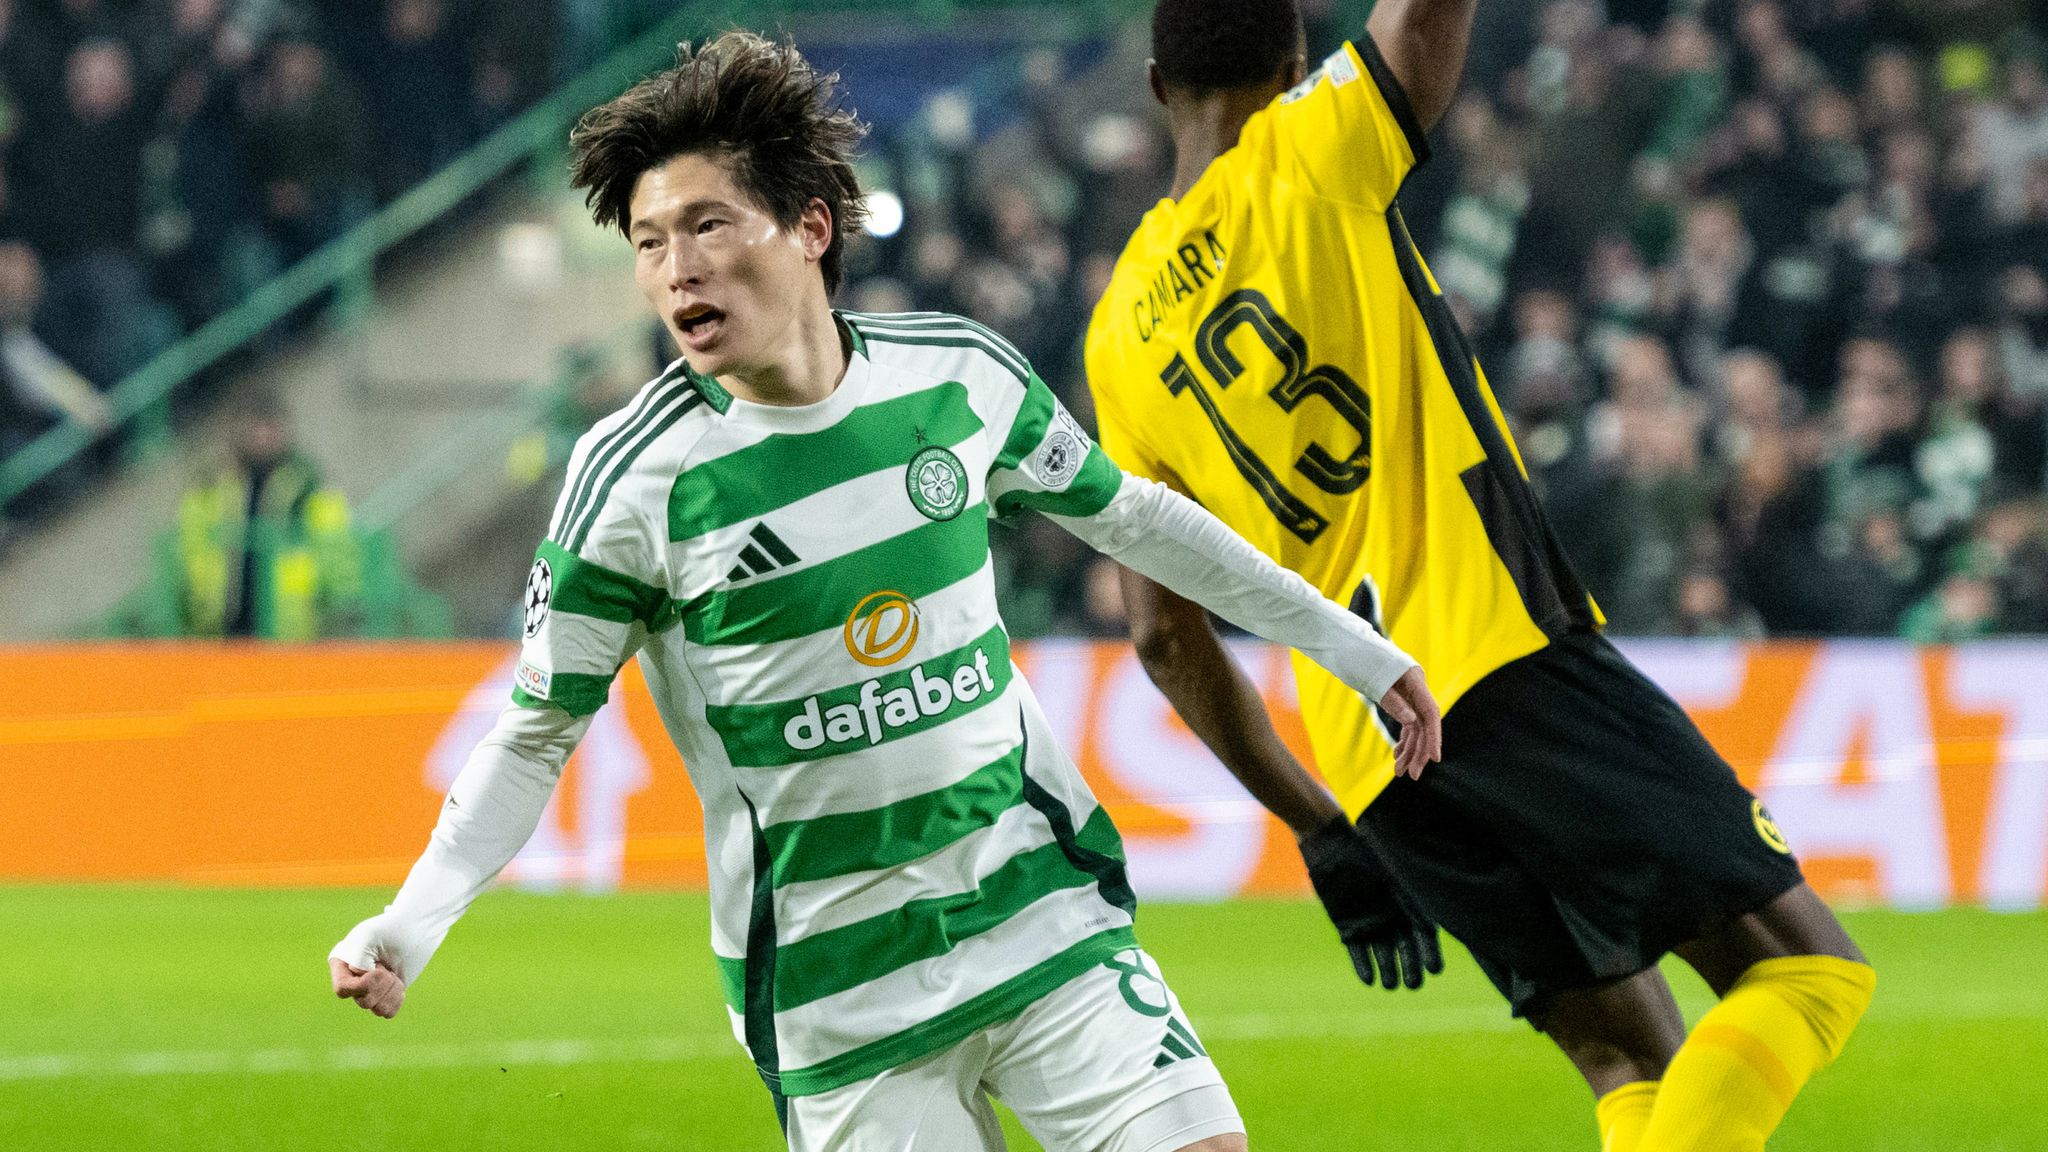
(1179, 1044)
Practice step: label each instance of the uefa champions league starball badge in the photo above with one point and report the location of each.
(937, 483)
(540, 592)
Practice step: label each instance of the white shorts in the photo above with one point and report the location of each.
(1107, 1062)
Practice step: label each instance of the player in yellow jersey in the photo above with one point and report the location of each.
(1272, 345)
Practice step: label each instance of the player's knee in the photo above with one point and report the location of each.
(1609, 1062)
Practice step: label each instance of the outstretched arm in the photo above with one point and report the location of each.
(1170, 539)
(1187, 661)
(492, 809)
(1424, 43)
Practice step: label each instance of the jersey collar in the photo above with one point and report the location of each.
(853, 386)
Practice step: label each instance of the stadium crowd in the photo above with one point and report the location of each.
(1762, 286)
(159, 158)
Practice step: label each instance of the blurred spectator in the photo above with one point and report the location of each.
(1771, 516)
(79, 181)
(1707, 608)
(1877, 574)
(1710, 292)
(1485, 212)
(2014, 544)
(160, 158)
(419, 93)
(198, 202)
(1965, 607)
(37, 389)
(1594, 106)
(1870, 456)
(2014, 135)
(2023, 335)
(308, 148)
(261, 547)
(512, 63)
(1646, 441)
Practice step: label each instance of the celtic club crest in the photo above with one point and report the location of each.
(937, 483)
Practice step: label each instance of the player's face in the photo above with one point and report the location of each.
(726, 280)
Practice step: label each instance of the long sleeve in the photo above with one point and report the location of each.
(591, 596)
(1174, 541)
(492, 809)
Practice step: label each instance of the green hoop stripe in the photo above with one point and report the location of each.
(783, 469)
(789, 604)
(842, 844)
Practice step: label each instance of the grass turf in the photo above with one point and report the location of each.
(168, 1019)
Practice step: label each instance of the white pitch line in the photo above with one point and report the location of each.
(364, 1057)
(1250, 1027)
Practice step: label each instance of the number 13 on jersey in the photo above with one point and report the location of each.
(1299, 380)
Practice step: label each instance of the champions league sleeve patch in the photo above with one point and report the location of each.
(540, 592)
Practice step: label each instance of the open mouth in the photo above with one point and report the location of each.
(699, 324)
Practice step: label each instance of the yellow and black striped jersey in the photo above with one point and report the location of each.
(1273, 345)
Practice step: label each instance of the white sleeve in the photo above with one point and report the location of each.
(1168, 538)
(492, 809)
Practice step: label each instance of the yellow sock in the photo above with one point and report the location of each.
(1623, 1114)
(1736, 1074)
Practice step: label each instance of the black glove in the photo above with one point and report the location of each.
(1391, 944)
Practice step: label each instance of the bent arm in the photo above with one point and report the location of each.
(1187, 661)
(1169, 538)
(491, 811)
(1424, 43)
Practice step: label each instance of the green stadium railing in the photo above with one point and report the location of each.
(346, 263)
(532, 436)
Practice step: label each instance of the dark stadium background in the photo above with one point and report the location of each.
(1762, 286)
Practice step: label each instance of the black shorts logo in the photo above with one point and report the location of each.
(1767, 827)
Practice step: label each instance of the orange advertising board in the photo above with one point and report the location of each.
(1910, 776)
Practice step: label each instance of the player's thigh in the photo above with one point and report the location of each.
(1797, 923)
(1108, 1062)
(1617, 1032)
(1230, 1142)
(933, 1104)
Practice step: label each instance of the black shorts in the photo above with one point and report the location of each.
(1578, 827)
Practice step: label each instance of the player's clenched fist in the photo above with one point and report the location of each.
(377, 988)
(377, 959)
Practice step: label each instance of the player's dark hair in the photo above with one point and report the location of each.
(754, 103)
(1211, 44)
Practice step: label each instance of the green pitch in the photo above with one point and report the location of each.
(162, 1020)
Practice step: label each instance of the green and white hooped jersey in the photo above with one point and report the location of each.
(899, 853)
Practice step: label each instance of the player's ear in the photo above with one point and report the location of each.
(1158, 81)
(1296, 72)
(815, 228)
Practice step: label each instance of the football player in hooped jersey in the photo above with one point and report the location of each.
(1272, 344)
(917, 906)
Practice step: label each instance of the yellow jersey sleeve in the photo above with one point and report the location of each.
(1347, 132)
(1117, 434)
